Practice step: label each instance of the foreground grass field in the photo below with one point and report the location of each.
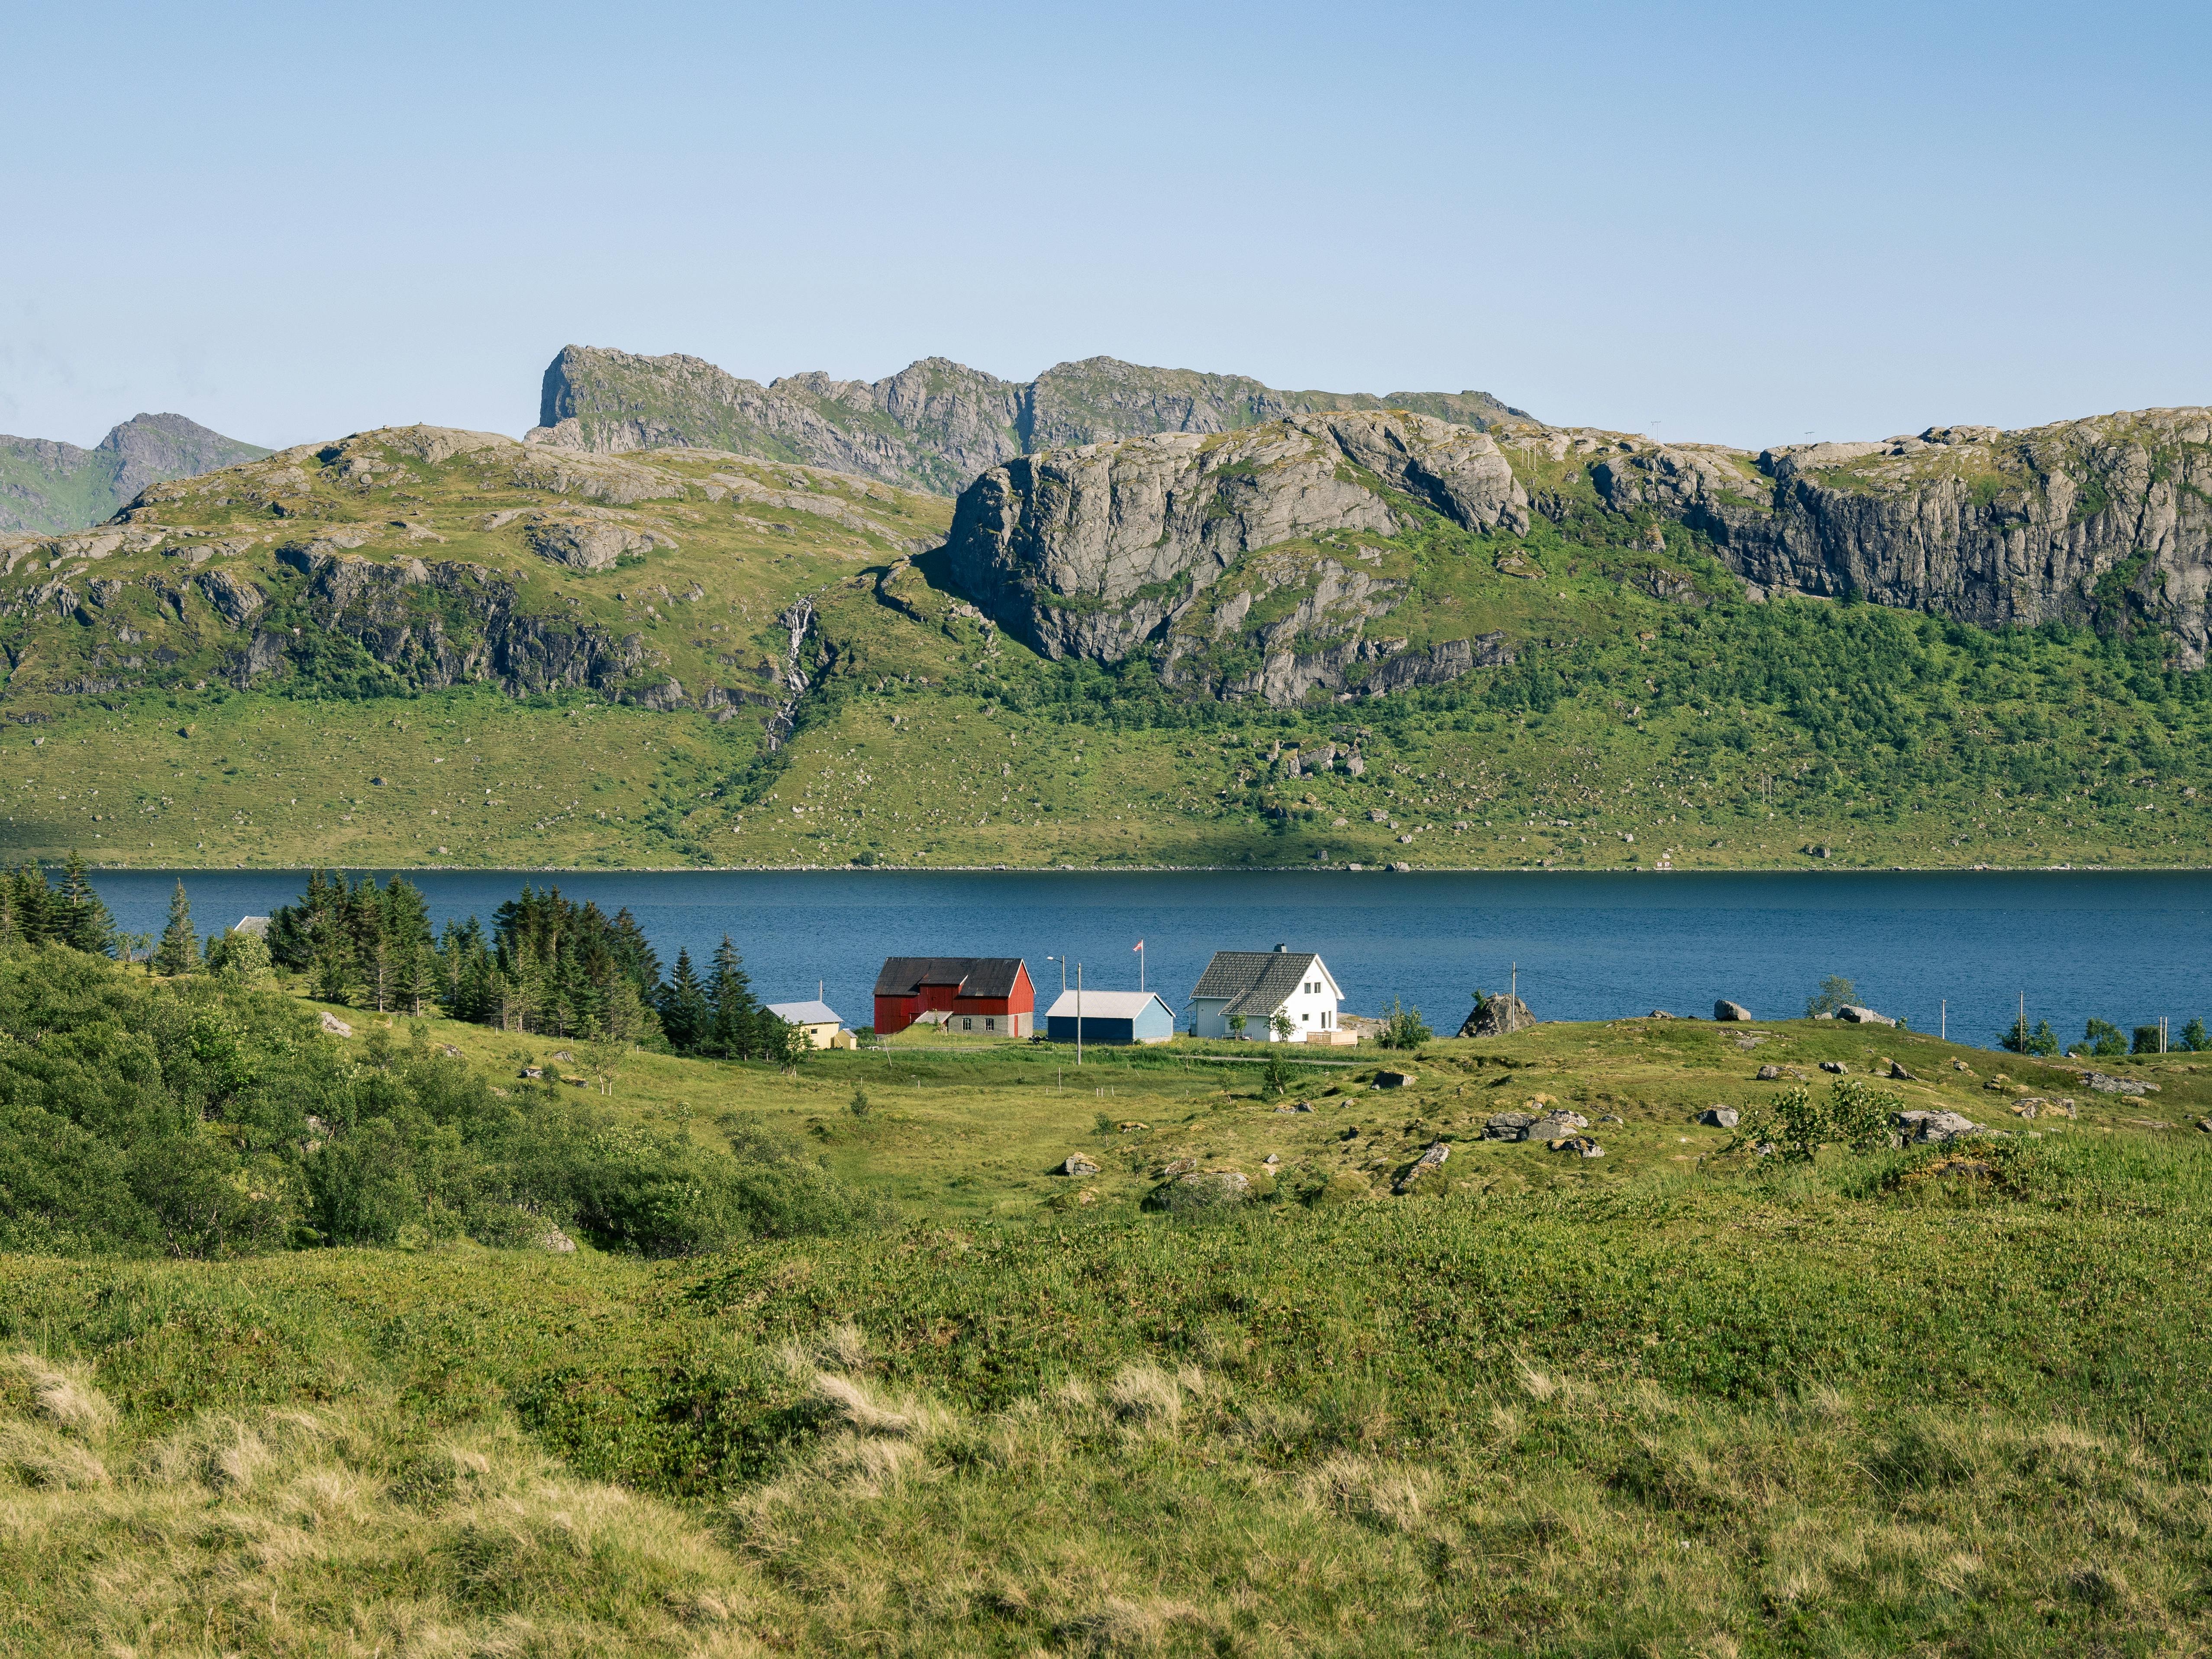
(1675, 1400)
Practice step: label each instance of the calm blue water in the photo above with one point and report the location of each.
(2125, 947)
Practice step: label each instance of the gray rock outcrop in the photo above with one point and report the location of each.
(1927, 1128)
(2106, 520)
(1727, 1010)
(1718, 1117)
(935, 425)
(1498, 1016)
(1858, 1015)
(1094, 550)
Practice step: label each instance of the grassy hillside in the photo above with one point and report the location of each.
(1648, 700)
(1673, 1399)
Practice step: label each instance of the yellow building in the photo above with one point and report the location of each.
(823, 1028)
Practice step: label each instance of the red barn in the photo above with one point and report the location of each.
(987, 996)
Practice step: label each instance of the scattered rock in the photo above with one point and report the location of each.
(564, 1054)
(1271, 1159)
(1961, 1066)
(532, 1070)
(1392, 1079)
(2028, 1109)
(1770, 1074)
(1078, 1165)
(1130, 1128)
(1432, 1159)
(557, 1241)
(1498, 1016)
(1726, 1009)
(1086, 1196)
(1659, 1014)
(1718, 1117)
(2205, 1124)
(1304, 1106)
(1507, 1126)
(1553, 1125)
(1580, 1146)
(1897, 1070)
(1180, 1166)
(1610, 1118)
(449, 1051)
(1927, 1128)
(1835, 1066)
(2118, 1085)
(334, 1025)
(1858, 1015)
(1402, 868)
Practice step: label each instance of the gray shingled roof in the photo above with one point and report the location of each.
(976, 977)
(1255, 981)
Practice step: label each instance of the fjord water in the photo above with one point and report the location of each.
(2124, 946)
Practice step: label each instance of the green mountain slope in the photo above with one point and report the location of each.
(424, 647)
(55, 487)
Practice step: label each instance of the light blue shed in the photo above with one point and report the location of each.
(1111, 1017)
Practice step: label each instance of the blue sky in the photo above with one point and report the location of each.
(1730, 222)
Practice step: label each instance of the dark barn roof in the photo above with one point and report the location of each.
(974, 976)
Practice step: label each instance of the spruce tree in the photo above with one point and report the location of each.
(686, 1016)
(85, 924)
(736, 1014)
(179, 950)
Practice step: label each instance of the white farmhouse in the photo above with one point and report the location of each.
(1258, 985)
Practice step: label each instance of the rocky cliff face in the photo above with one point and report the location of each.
(49, 488)
(1097, 550)
(935, 425)
(2107, 519)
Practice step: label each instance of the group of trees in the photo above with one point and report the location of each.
(198, 1117)
(548, 965)
(34, 909)
(2102, 1040)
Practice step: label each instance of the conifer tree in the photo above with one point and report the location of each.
(736, 1033)
(686, 1016)
(179, 950)
(86, 924)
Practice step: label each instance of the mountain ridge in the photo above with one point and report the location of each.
(51, 487)
(935, 425)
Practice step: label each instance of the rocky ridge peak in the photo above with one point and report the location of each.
(934, 426)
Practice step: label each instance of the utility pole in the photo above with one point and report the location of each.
(1944, 1021)
(1515, 992)
(1079, 1013)
(2023, 1022)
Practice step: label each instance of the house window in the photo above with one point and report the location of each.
(967, 1024)
(1303, 1017)
(989, 1023)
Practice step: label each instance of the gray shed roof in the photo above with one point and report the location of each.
(1255, 981)
(804, 1013)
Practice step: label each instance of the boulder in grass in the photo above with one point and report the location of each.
(557, 1241)
(531, 1072)
(1553, 1124)
(1718, 1117)
(1727, 1010)
(1858, 1015)
(1078, 1165)
(1578, 1146)
(2097, 1080)
(334, 1025)
(1507, 1126)
(1428, 1162)
(1897, 1071)
(1770, 1074)
(1392, 1079)
(1834, 1065)
(1933, 1128)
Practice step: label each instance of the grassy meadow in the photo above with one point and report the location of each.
(1675, 1400)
